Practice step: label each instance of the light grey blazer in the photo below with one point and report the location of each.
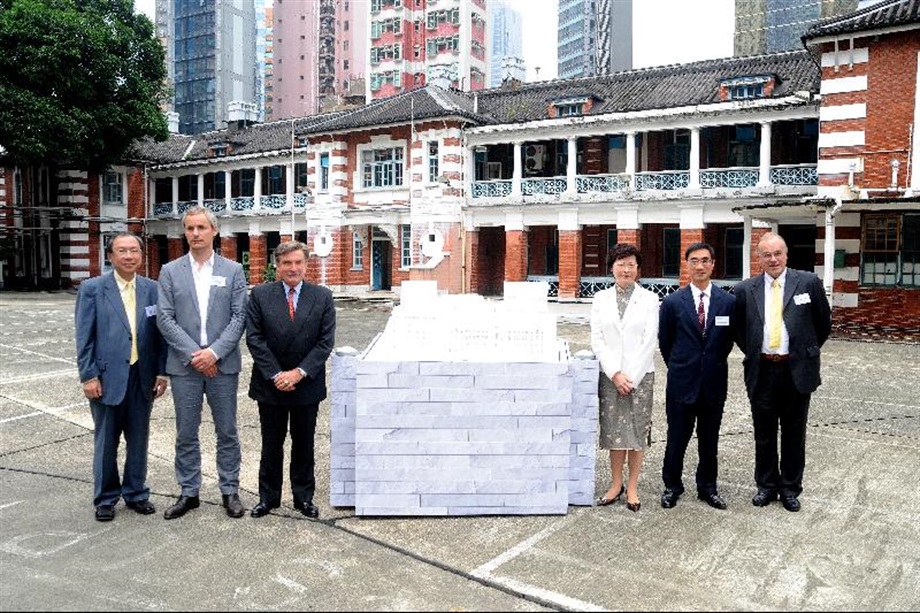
(179, 318)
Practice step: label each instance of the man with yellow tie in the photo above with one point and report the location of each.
(122, 364)
(782, 319)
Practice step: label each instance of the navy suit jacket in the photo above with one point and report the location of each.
(807, 316)
(179, 319)
(276, 343)
(104, 336)
(697, 363)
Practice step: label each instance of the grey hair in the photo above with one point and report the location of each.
(285, 248)
(200, 210)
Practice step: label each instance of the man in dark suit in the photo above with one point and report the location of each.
(122, 365)
(290, 331)
(202, 313)
(695, 338)
(782, 318)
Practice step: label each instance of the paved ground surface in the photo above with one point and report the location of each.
(854, 546)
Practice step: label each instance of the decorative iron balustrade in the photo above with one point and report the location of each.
(242, 203)
(667, 180)
(274, 201)
(729, 177)
(601, 184)
(215, 205)
(491, 189)
(185, 205)
(548, 186)
(301, 201)
(589, 286)
(801, 174)
(161, 209)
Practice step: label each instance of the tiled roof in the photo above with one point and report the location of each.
(662, 87)
(651, 88)
(886, 14)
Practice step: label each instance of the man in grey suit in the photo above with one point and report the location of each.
(202, 314)
(290, 330)
(122, 364)
(782, 318)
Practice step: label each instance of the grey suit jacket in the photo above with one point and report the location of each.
(103, 337)
(179, 318)
(807, 316)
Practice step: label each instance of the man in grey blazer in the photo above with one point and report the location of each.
(782, 318)
(122, 365)
(201, 313)
(290, 330)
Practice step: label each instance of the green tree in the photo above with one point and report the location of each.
(80, 80)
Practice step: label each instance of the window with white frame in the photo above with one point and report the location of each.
(111, 188)
(891, 250)
(433, 161)
(405, 253)
(324, 171)
(357, 251)
(382, 167)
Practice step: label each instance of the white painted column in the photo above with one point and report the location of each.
(175, 194)
(694, 158)
(571, 165)
(200, 188)
(289, 186)
(228, 189)
(746, 248)
(257, 191)
(830, 240)
(766, 130)
(518, 171)
(631, 159)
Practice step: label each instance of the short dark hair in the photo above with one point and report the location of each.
(621, 251)
(697, 247)
(108, 246)
(289, 247)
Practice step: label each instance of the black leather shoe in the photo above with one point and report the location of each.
(262, 509)
(183, 505)
(105, 512)
(144, 507)
(669, 498)
(234, 505)
(603, 501)
(790, 503)
(307, 508)
(713, 500)
(763, 497)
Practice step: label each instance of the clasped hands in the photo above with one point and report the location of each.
(205, 362)
(287, 380)
(623, 384)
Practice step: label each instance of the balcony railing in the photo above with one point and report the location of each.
(798, 174)
(185, 205)
(161, 209)
(242, 203)
(491, 189)
(274, 201)
(301, 201)
(601, 184)
(729, 177)
(667, 180)
(589, 286)
(215, 205)
(549, 186)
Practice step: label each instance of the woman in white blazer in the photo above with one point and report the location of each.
(624, 335)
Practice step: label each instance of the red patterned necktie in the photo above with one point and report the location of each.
(291, 303)
(701, 315)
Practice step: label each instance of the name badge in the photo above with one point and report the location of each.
(218, 281)
(802, 299)
(722, 320)
(151, 310)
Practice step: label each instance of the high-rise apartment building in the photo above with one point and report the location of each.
(211, 59)
(319, 50)
(594, 37)
(268, 63)
(770, 26)
(506, 53)
(415, 42)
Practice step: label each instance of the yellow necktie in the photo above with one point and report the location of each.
(131, 310)
(776, 315)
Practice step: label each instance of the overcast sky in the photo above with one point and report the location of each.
(664, 31)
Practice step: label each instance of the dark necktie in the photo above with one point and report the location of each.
(701, 315)
(291, 303)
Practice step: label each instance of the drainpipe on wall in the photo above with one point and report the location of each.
(829, 248)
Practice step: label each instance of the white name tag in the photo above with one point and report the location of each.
(802, 299)
(218, 281)
(722, 320)
(151, 310)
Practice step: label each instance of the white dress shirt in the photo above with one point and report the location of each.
(202, 275)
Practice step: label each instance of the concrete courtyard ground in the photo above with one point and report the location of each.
(854, 546)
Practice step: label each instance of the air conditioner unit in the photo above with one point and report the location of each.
(533, 157)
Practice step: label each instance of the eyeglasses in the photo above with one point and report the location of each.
(127, 251)
(703, 261)
(766, 255)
